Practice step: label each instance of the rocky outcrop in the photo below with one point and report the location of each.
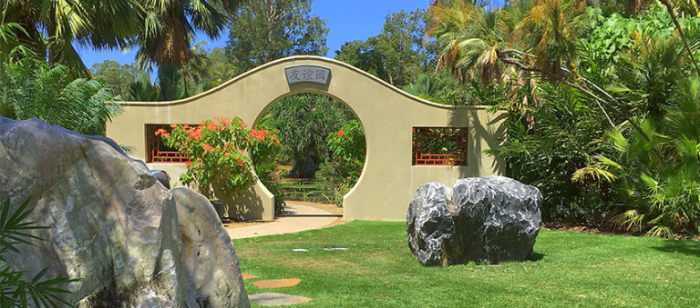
(131, 241)
(489, 219)
(211, 265)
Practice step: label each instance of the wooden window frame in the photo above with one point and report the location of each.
(460, 136)
(154, 145)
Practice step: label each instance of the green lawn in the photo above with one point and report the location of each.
(569, 270)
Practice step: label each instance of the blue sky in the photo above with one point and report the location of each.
(347, 20)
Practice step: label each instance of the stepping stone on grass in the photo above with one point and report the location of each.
(277, 299)
(248, 276)
(276, 283)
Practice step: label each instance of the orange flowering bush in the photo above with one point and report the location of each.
(216, 149)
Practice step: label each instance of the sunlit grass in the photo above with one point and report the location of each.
(570, 270)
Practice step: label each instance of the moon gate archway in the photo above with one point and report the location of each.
(390, 119)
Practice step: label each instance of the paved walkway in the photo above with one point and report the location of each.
(297, 218)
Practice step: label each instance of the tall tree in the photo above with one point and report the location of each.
(266, 30)
(117, 76)
(169, 26)
(397, 55)
(220, 68)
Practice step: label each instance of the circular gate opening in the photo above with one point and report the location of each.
(321, 155)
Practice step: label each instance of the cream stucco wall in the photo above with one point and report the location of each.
(387, 114)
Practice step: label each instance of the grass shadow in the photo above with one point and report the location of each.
(535, 256)
(681, 246)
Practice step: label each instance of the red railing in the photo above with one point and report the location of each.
(157, 151)
(451, 141)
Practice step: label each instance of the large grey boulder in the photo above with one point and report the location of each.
(429, 223)
(488, 219)
(131, 241)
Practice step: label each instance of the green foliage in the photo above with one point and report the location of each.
(117, 76)
(143, 90)
(303, 122)
(50, 28)
(566, 58)
(15, 291)
(341, 172)
(220, 68)
(397, 55)
(264, 31)
(546, 154)
(171, 83)
(31, 88)
(167, 28)
(611, 34)
(659, 179)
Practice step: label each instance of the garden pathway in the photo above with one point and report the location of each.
(297, 217)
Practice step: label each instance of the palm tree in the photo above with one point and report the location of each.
(98, 24)
(473, 37)
(169, 26)
(646, 74)
(143, 90)
(162, 29)
(550, 30)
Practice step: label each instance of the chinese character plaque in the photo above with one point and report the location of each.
(307, 73)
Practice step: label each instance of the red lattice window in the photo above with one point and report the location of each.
(440, 146)
(158, 152)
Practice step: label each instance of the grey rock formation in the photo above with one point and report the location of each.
(111, 224)
(429, 223)
(211, 264)
(489, 219)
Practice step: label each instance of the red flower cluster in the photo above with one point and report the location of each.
(259, 133)
(341, 133)
(163, 132)
(212, 126)
(207, 148)
(195, 133)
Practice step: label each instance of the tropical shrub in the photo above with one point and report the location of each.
(340, 174)
(31, 88)
(15, 291)
(657, 179)
(218, 164)
(547, 143)
(303, 122)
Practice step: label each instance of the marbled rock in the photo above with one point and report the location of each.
(112, 225)
(429, 223)
(489, 219)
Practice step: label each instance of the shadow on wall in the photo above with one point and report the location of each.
(492, 132)
(245, 205)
